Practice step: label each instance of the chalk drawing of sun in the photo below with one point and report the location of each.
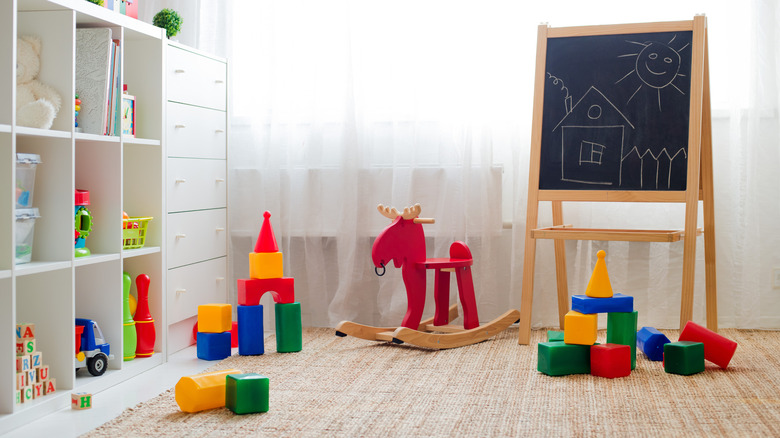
(657, 66)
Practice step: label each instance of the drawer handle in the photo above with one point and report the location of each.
(180, 180)
(179, 70)
(219, 81)
(181, 291)
(180, 235)
(220, 179)
(220, 278)
(179, 125)
(220, 229)
(219, 131)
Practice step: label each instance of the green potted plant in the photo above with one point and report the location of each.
(169, 20)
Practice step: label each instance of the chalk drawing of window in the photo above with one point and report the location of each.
(591, 153)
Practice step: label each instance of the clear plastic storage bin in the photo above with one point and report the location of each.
(25, 178)
(25, 227)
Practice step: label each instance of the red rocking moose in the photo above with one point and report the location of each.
(403, 243)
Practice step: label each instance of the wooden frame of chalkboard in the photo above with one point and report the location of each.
(621, 114)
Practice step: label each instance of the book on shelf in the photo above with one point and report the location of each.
(93, 77)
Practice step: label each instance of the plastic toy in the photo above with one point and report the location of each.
(83, 222)
(92, 350)
(717, 349)
(615, 303)
(651, 342)
(289, 336)
(215, 318)
(599, 285)
(246, 393)
(129, 336)
(77, 103)
(80, 400)
(202, 391)
(553, 336)
(403, 243)
(610, 360)
(684, 357)
(250, 330)
(213, 346)
(621, 329)
(579, 328)
(144, 323)
(558, 359)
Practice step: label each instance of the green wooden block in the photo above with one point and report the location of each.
(553, 335)
(684, 357)
(559, 359)
(289, 332)
(621, 329)
(246, 393)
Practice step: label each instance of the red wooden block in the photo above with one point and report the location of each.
(717, 349)
(250, 290)
(610, 360)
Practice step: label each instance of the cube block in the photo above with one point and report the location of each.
(25, 346)
(21, 380)
(202, 391)
(215, 318)
(615, 303)
(579, 328)
(25, 331)
(42, 373)
(213, 346)
(23, 363)
(717, 349)
(621, 329)
(553, 335)
(250, 330)
(49, 386)
(250, 290)
(289, 331)
(27, 394)
(651, 342)
(559, 359)
(247, 393)
(80, 400)
(684, 357)
(36, 359)
(266, 265)
(610, 360)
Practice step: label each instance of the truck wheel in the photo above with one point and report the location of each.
(97, 364)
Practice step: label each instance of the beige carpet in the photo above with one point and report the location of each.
(348, 387)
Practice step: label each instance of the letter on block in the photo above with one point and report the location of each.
(38, 390)
(610, 360)
(247, 393)
(24, 331)
(266, 265)
(27, 394)
(717, 349)
(251, 290)
(289, 332)
(684, 357)
(579, 328)
(23, 363)
(651, 342)
(615, 303)
(43, 373)
(21, 380)
(250, 330)
(215, 318)
(621, 329)
(559, 359)
(80, 400)
(213, 346)
(49, 386)
(202, 391)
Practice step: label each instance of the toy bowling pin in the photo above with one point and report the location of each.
(129, 338)
(144, 324)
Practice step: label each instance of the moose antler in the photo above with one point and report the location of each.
(408, 213)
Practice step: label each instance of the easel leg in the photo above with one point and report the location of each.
(529, 262)
(560, 265)
(708, 200)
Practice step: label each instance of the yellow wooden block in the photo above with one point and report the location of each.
(599, 285)
(202, 391)
(579, 328)
(215, 318)
(266, 265)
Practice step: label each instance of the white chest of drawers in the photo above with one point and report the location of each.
(196, 184)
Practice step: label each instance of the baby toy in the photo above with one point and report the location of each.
(37, 104)
(403, 243)
(144, 323)
(77, 103)
(83, 222)
(92, 350)
(129, 336)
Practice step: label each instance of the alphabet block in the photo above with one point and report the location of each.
(27, 394)
(25, 331)
(23, 363)
(49, 386)
(18, 394)
(289, 331)
(21, 380)
(684, 357)
(38, 390)
(553, 335)
(32, 376)
(559, 359)
(651, 342)
(42, 373)
(251, 290)
(247, 393)
(579, 328)
(266, 265)
(610, 360)
(717, 349)
(621, 329)
(213, 346)
(36, 359)
(202, 391)
(28, 346)
(215, 318)
(615, 303)
(80, 400)
(250, 330)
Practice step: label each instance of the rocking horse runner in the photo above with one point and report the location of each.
(403, 243)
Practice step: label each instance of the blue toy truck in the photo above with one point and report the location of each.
(92, 350)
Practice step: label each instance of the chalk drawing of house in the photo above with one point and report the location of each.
(592, 136)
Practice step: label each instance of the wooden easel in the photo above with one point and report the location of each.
(699, 181)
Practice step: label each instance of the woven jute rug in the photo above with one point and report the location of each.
(348, 387)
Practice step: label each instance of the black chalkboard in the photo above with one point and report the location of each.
(616, 112)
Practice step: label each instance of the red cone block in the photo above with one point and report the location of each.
(266, 241)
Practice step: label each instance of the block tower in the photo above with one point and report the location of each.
(32, 376)
(266, 275)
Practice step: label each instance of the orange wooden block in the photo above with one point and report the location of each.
(202, 391)
(215, 318)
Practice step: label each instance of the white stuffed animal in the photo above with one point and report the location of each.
(37, 104)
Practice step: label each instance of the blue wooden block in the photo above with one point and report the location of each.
(250, 330)
(213, 346)
(651, 342)
(589, 305)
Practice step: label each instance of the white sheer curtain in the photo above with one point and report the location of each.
(339, 105)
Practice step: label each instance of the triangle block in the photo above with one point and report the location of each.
(266, 241)
(599, 285)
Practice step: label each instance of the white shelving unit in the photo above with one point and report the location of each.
(121, 174)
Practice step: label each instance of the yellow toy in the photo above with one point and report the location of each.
(202, 391)
(599, 285)
(579, 328)
(215, 318)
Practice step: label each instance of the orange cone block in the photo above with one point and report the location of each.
(599, 285)
(202, 391)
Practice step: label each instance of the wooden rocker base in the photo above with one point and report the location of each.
(429, 335)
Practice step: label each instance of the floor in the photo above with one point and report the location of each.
(111, 402)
